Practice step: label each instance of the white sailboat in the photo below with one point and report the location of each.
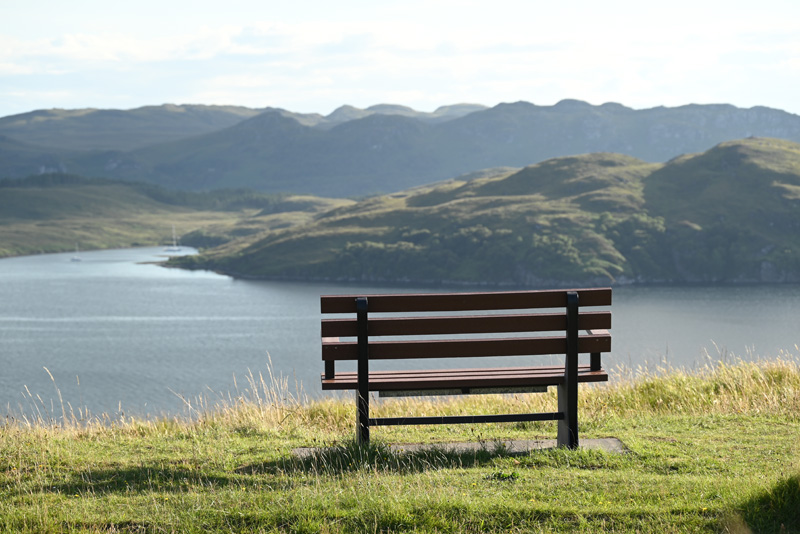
(75, 257)
(174, 246)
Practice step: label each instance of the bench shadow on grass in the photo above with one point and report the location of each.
(350, 456)
(142, 479)
(338, 459)
(335, 460)
(775, 510)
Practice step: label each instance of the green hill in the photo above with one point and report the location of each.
(728, 215)
(21, 159)
(733, 212)
(53, 212)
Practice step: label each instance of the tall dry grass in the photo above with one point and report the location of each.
(266, 403)
(728, 385)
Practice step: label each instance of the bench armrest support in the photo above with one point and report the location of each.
(330, 370)
(595, 363)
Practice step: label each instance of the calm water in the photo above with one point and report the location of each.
(117, 333)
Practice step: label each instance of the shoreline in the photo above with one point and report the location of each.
(445, 284)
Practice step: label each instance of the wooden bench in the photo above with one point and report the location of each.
(466, 326)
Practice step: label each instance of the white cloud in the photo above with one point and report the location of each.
(13, 69)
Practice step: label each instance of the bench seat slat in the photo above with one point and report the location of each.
(502, 300)
(465, 373)
(465, 348)
(462, 378)
(473, 324)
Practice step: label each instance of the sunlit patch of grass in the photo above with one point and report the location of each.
(750, 386)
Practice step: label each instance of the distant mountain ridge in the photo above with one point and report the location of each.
(112, 129)
(442, 113)
(385, 148)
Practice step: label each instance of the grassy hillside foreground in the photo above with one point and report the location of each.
(716, 450)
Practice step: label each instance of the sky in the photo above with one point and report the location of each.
(314, 56)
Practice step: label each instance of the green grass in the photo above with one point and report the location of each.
(712, 451)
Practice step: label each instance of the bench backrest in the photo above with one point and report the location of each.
(426, 321)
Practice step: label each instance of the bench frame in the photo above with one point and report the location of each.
(428, 382)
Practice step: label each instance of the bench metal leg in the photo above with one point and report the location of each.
(568, 426)
(362, 418)
(568, 391)
(362, 393)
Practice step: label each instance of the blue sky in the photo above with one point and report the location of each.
(313, 56)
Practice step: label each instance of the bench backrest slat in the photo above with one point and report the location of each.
(472, 324)
(443, 302)
(391, 350)
(467, 328)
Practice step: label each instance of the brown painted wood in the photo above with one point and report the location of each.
(470, 324)
(465, 348)
(462, 378)
(423, 340)
(435, 302)
(467, 371)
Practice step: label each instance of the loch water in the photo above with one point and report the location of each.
(115, 332)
